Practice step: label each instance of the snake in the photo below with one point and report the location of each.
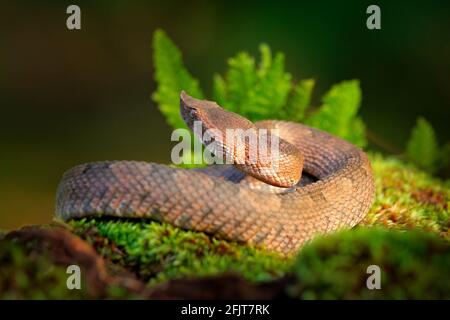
(321, 184)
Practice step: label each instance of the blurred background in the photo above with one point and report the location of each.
(69, 97)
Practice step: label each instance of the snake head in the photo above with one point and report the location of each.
(188, 109)
(282, 168)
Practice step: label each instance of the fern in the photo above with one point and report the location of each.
(422, 147)
(255, 92)
(259, 90)
(171, 77)
(299, 101)
(338, 114)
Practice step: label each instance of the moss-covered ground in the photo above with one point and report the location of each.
(413, 265)
(407, 198)
(406, 233)
(158, 252)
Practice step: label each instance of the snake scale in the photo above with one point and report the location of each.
(229, 201)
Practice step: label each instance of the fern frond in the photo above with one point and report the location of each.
(422, 147)
(258, 90)
(219, 90)
(254, 92)
(272, 89)
(240, 80)
(298, 101)
(337, 115)
(171, 77)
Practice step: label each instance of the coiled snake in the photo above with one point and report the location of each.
(236, 203)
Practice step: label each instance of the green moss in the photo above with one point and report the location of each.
(407, 198)
(413, 265)
(157, 252)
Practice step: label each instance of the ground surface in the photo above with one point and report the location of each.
(406, 234)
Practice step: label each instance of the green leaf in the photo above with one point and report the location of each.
(240, 81)
(422, 147)
(254, 92)
(266, 59)
(337, 115)
(171, 77)
(299, 100)
(271, 92)
(219, 90)
(357, 132)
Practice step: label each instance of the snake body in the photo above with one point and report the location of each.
(336, 190)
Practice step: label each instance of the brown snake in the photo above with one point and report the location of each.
(336, 189)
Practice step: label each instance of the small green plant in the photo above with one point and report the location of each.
(256, 92)
(423, 149)
(422, 146)
(262, 90)
(172, 77)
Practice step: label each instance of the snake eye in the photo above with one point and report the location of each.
(193, 113)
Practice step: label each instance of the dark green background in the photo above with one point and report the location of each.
(73, 96)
